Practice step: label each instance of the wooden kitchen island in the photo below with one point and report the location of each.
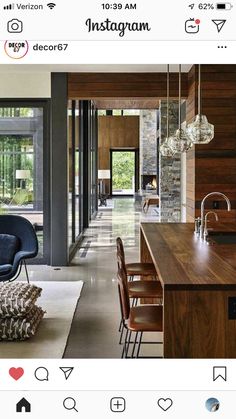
(199, 282)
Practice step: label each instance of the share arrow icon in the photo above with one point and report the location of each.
(67, 371)
(219, 23)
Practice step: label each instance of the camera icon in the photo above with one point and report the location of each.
(15, 26)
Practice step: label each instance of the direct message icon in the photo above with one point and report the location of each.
(220, 373)
(165, 404)
(67, 371)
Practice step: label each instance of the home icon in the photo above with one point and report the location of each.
(23, 406)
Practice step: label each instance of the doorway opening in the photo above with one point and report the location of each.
(124, 168)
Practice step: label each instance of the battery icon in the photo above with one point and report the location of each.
(224, 6)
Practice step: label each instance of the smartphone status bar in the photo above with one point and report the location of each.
(123, 21)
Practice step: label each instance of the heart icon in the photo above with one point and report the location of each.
(16, 373)
(165, 404)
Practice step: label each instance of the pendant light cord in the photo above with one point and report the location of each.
(179, 96)
(168, 101)
(199, 90)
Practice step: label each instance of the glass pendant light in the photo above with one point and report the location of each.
(200, 131)
(180, 141)
(165, 149)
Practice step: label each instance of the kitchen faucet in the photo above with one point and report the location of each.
(203, 208)
(205, 234)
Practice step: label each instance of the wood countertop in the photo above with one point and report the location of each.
(184, 262)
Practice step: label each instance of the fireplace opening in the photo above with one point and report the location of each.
(149, 183)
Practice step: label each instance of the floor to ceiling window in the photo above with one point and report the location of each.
(77, 171)
(16, 171)
(82, 168)
(74, 175)
(22, 145)
(93, 151)
(74, 224)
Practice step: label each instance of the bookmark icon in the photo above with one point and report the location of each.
(220, 373)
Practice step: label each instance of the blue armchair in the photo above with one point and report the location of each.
(18, 242)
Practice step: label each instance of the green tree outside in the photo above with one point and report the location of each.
(123, 169)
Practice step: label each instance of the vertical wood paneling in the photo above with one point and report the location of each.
(215, 163)
(116, 132)
(191, 107)
(212, 167)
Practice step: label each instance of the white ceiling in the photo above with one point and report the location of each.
(79, 68)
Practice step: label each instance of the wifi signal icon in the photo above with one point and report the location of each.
(51, 5)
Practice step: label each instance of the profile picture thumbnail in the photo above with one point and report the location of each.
(212, 404)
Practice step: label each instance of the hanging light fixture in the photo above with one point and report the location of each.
(180, 141)
(165, 149)
(200, 131)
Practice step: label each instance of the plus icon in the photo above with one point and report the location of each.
(117, 404)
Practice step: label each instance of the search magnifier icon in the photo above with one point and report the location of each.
(70, 404)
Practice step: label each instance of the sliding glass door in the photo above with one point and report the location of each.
(23, 163)
(74, 173)
(82, 168)
(93, 156)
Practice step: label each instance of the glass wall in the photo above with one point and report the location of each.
(74, 174)
(16, 170)
(22, 165)
(82, 168)
(93, 151)
(70, 172)
(77, 172)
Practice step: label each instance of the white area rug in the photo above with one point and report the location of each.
(59, 300)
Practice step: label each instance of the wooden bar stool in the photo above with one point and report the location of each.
(137, 268)
(140, 319)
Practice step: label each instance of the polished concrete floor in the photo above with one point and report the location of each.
(94, 331)
(95, 324)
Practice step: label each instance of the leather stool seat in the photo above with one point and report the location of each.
(146, 319)
(145, 289)
(140, 269)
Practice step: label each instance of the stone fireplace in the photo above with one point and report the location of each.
(149, 182)
(148, 150)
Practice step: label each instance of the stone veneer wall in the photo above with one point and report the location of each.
(170, 170)
(148, 142)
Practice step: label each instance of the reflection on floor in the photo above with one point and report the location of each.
(94, 331)
(94, 328)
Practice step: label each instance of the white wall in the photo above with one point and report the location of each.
(25, 85)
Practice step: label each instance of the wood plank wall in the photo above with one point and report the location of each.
(215, 163)
(123, 85)
(116, 132)
(191, 107)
